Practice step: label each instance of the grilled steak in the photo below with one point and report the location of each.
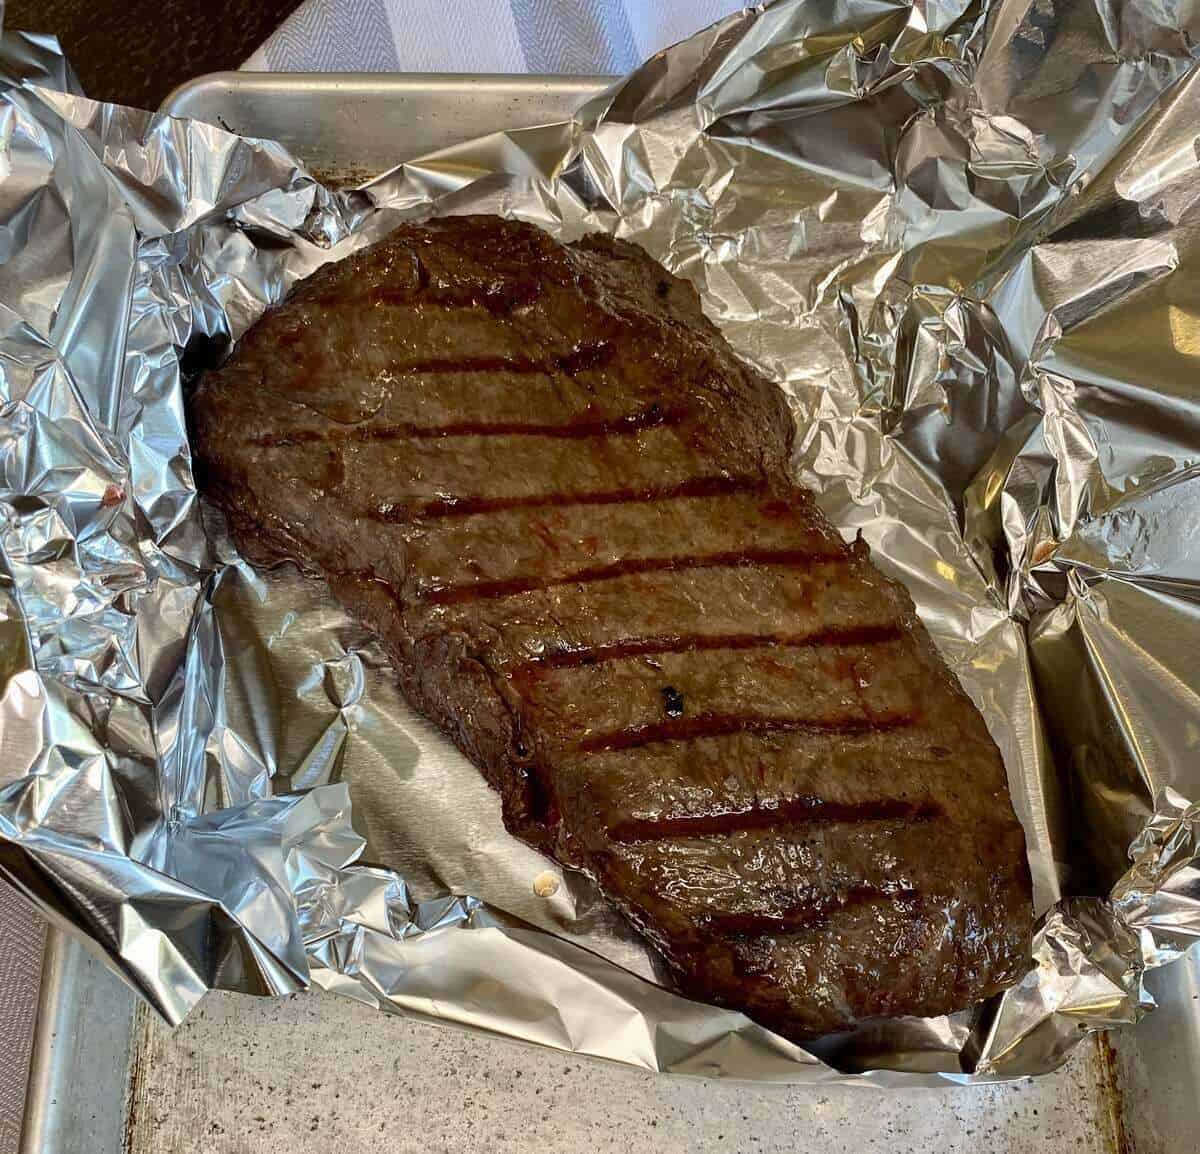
(542, 478)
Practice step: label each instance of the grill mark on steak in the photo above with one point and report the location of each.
(497, 297)
(718, 724)
(738, 772)
(510, 543)
(745, 558)
(823, 831)
(586, 655)
(572, 363)
(453, 506)
(806, 916)
(769, 872)
(792, 811)
(585, 357)
(652, 418)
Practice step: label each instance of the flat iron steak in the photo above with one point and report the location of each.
(541, 476)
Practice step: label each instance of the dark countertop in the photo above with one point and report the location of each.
(136, 51)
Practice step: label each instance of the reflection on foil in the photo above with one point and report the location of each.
(964, 242)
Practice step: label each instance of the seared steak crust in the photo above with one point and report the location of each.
(540, 475)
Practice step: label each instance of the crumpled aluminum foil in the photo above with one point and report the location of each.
(963, 241)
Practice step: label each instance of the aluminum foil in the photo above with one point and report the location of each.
(964, 241)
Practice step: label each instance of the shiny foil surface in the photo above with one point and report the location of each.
(965, 241)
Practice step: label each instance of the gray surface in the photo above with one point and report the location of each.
(21, 936)
(323, 1073)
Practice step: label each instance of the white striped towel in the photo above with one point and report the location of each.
(563, 36)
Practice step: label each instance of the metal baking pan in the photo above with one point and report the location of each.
(348, 126)
(318, 1072)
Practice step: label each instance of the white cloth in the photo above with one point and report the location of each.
(564, 36)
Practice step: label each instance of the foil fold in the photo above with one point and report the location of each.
(963, 240)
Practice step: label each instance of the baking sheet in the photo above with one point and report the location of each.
(350, 126)
(1091, 949)
(256, 103)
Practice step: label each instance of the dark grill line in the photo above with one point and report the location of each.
(570, 363)
(808, 916)
(453, 506)
(499, 298)
(651, 418)
(792, 811)
(485, 590)
(580, 359)
(719, 724)
(589, 655)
